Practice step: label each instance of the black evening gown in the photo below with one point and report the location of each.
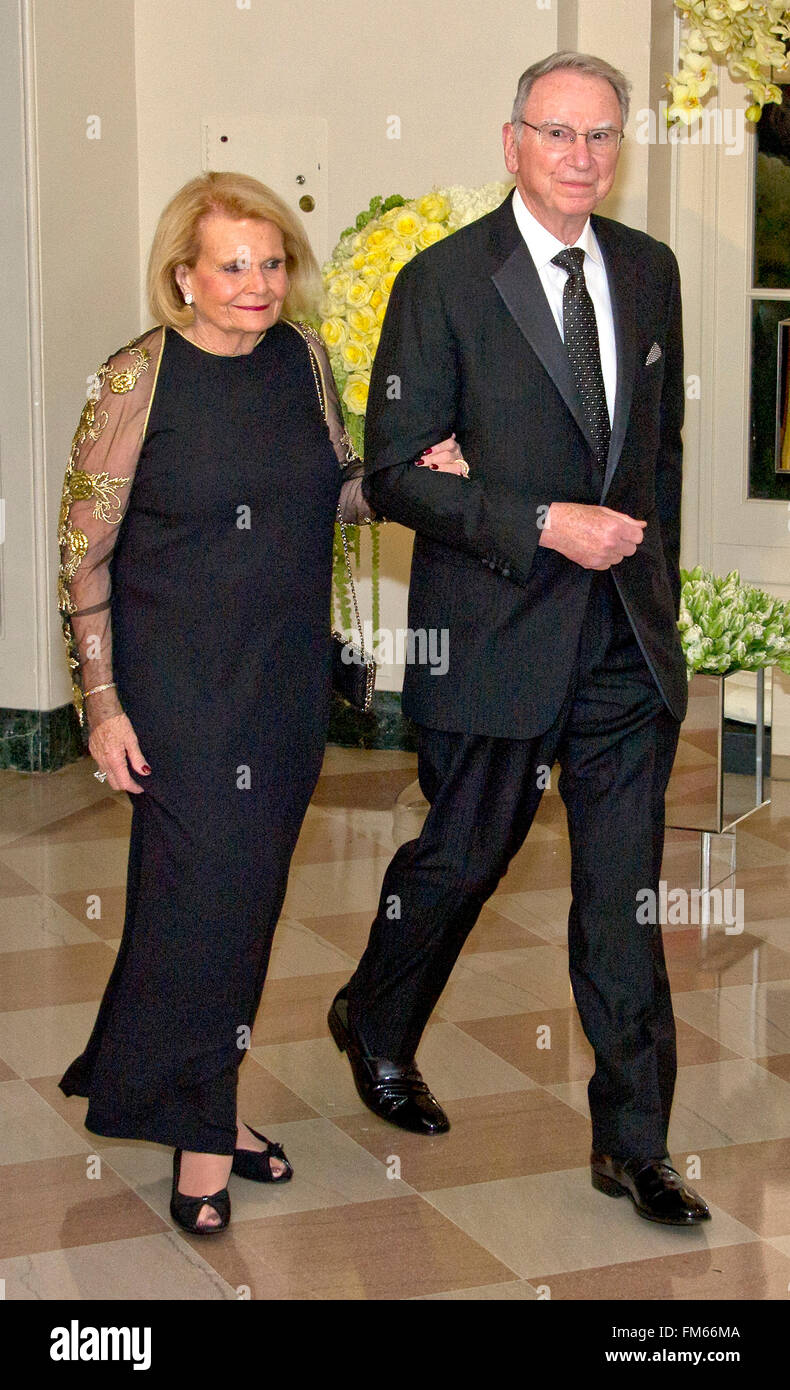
(220, 625)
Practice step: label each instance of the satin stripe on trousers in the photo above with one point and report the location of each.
(615, 741)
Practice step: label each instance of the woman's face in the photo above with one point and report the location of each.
(239, 281)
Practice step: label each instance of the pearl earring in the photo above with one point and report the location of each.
(189, 298)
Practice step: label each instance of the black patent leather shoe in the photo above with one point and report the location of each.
(657, 1191)
(394, 1091)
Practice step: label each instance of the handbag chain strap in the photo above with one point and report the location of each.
(320, 386)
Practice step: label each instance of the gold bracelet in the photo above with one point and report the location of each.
(97, 688)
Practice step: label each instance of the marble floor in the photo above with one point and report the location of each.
(501, 1207)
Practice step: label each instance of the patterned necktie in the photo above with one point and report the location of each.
(581, 341)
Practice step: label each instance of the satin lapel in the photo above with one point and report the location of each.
(519, 285)
(621, 290)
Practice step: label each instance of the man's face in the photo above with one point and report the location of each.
(561, 187)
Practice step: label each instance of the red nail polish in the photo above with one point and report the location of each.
(434, 466)
(426, 452)
(146, 768)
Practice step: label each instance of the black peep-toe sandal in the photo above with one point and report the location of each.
(186, 1210)
(248, 1163)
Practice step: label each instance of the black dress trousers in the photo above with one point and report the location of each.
(615, 741)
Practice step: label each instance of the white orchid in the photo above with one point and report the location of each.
(749, 36)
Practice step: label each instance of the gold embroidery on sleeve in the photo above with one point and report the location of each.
(79, 485)
(121, 382)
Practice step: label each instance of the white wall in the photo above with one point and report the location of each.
(88, 225)
(621, 34)
(81, 214)
(447, 69)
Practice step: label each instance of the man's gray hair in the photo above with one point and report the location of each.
(569, 61)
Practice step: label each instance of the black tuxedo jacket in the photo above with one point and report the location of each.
(469, 344)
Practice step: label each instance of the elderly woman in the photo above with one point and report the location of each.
(196, 533)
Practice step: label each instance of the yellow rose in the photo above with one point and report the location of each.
(358, 293)
(375, 299)
(355, 395)
(358, 260)
(387, 281)
(434, 207)
(380, 312)
(356, 355)
(334, 332)
(404, 251)
(407, 224)
(379, 257)
(362, 320)
(371, 274)
(337, 285)
(396, 266)
(430, 234)
(379, 239)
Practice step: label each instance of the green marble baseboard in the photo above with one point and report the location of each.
(39, 740)
(44, 740)
(384, 726)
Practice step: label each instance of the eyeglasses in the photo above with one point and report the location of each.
(561, 137)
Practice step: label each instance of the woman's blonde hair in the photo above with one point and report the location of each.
(177, 242)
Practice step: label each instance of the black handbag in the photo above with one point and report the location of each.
(353, 669)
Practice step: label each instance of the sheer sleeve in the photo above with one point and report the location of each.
(354, 508)
(96, 489)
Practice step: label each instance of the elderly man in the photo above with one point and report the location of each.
(550, 341)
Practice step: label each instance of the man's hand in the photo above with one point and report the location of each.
(113, 744)
(594, 537)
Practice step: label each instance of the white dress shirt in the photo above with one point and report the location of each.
(542, 246)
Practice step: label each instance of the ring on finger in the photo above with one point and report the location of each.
(100, 776)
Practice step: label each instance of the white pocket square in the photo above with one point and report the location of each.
(653, 355)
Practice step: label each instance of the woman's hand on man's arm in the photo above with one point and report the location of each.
(445, 457)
